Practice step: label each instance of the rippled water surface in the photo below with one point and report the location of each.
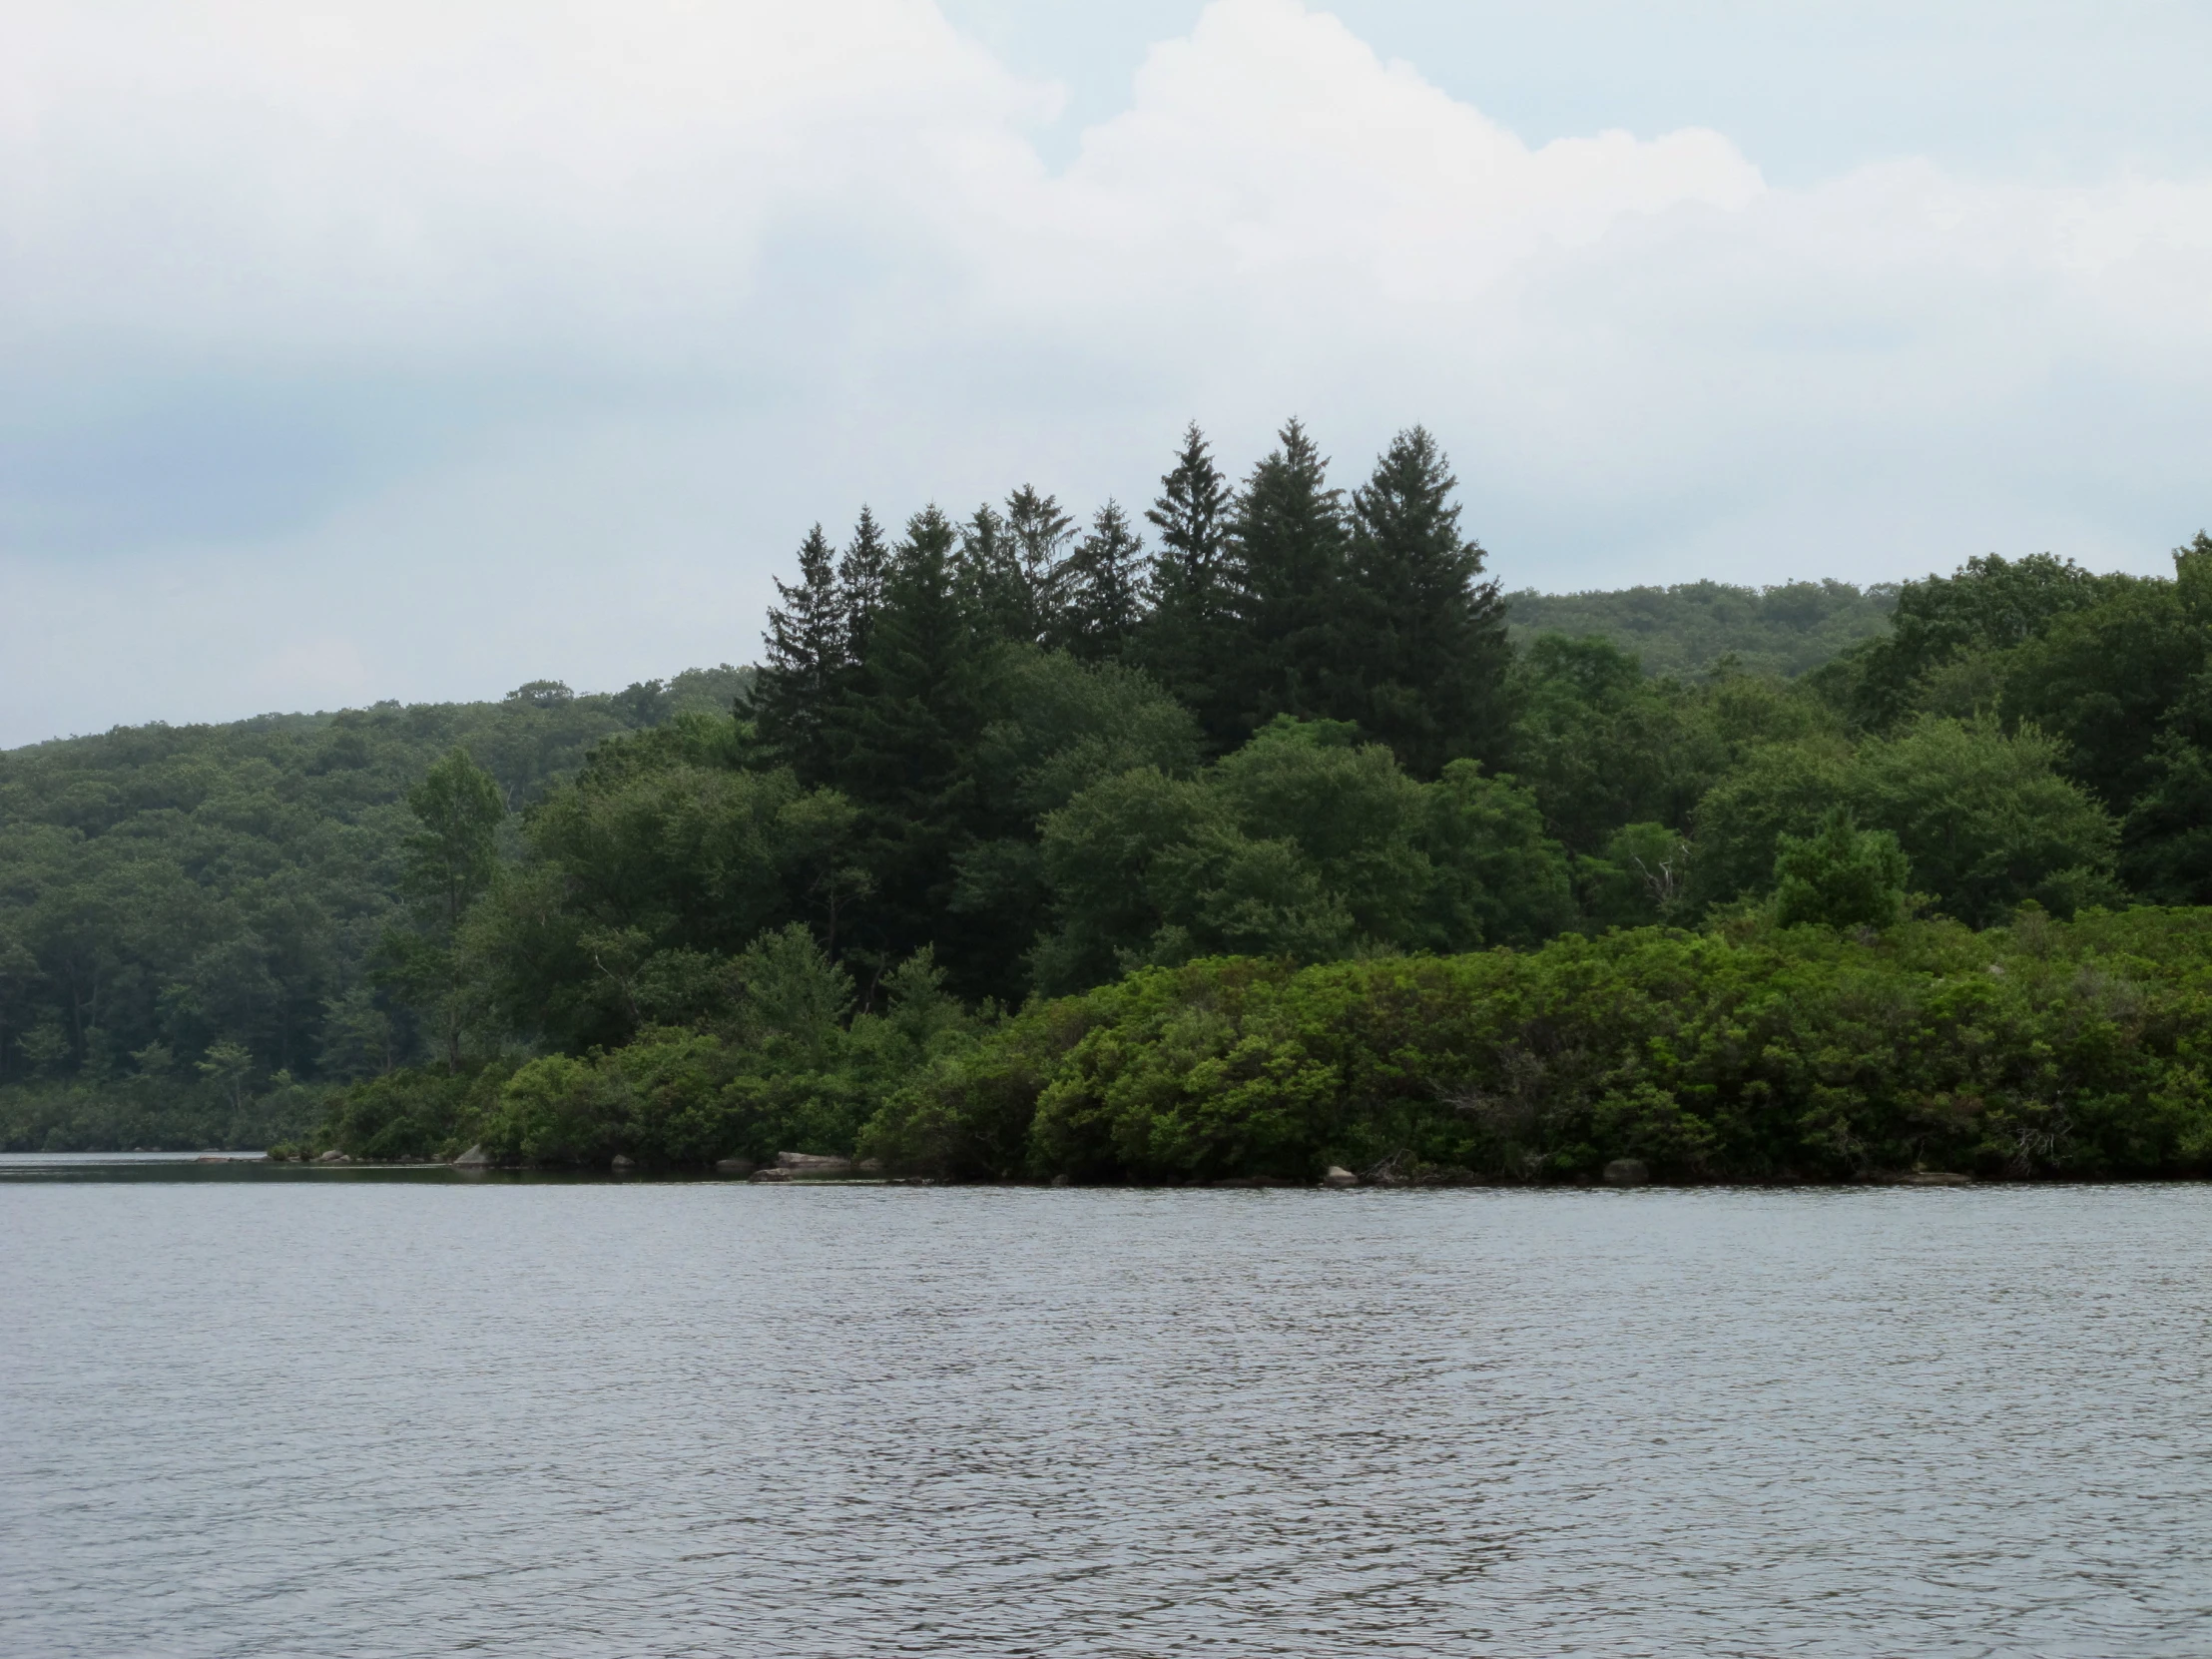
(358, 1418)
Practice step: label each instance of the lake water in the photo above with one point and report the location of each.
(358, 1417)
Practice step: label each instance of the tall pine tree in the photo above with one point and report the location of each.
(860, 574)
(987, 572)
(910, 733)
(1184, 639)
(1040, 531)
(1286, 568)
(804, 666)
(1102, 589)
(1421, 654)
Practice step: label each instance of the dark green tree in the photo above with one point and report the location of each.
(805, 663)
(1420, 647)
(987, 575)
(1184, 642)
(1101, 591)
(908, 745)
(1040, 530)
(861, 572)
(1988, 604)
(1286, 567)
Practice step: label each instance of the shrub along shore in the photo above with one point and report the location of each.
(1747, 1052)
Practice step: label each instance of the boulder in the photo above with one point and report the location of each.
(1339, 1176)
(1627, 1172)
(1934, 1178)
(333, 1156)
(733, 1166)
(474, 1158)
(623, 1162)
(769, 1175)
(210, 1158)
(813, 1163)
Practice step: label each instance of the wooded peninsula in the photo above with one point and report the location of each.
(1250, 836)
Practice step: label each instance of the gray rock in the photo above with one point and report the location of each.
(1060, 1181)
(474, 1158)
(623, 1160)
(733, 1166)
(813, 1163)
(1934, 1178)
(1339, 1176)
(770, 1175)
(1627, 1172)
(333, 1156)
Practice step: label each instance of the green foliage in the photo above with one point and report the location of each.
(1694, 627)
(167, 889)
(1844, 876)
(2044, 1049)
(1983, 818)
(1305, 844)
(1419, 653)
(1991, 604)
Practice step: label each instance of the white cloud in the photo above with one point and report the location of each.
(576, 315)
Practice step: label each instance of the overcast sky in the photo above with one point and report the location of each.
(422, 348)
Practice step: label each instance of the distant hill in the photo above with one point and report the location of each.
(1690, 627)
(165, 885)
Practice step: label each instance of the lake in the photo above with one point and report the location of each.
(242, 1414)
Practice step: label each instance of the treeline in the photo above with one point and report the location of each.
(1005, 763)
(994, 763)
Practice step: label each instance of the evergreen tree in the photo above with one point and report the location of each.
(1421, 654)
(989, 574)
(910, 733)
(1040, 531)
(1183, 642)
(860, 576)
(1286, 567)
(805, 665)
(1101, 589)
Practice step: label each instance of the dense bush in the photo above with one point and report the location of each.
(1751, 1053)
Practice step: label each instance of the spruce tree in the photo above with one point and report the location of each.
(1286, 570)
(1184, 637)
(1040, 531)
(910, 733)
(860, 574)
(1421, 654)
(988, 575)
(1101, 589)
(803, 670)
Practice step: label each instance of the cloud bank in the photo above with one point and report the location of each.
(419, 349)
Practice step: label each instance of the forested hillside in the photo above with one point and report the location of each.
(1006, 761)
(187, 912)
(1694, 626)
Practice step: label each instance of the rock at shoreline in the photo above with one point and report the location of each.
(1627, 1172)
(813, 1163)
(333, 1156)
(733, 1166)
(474, 1158)
(1339, 1176)
(623, 1163)
(1930, 1178)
